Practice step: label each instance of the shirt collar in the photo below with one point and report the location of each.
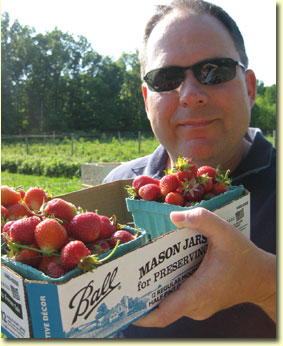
(258, 158)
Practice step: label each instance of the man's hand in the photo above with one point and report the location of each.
(233, 271)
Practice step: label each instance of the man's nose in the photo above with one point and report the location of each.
(191, 92)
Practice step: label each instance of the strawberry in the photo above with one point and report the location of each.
(222, 182)
(189, 204)
(35, 197)
(208, 196)
(85, 227)
(45, 260)
(195, 194)
(50, 235)
(29, 257)
(72, 253)
(207, 170)
(150, 192)
(55, 270)
(107, 227)
(184, 176)
(99, 247)
(175, 198)
(4, 213)
(206, 181)
(17, 211)
(9, 195)
(122, 235)
(5, 230)
(22, 192)
(60, 208)
(169, 183)
(142, 180)
(219, 188)
(22, 230)
(184, 164)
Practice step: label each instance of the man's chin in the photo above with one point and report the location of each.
(198, 151)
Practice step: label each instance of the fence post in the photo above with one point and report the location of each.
(72, 144)
(139, 140)
(119, 137)
(274, 138)
(27, 149)
(53, 137)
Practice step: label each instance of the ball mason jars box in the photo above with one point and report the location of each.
(99, 303)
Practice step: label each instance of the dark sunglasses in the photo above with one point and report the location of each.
(209, 72)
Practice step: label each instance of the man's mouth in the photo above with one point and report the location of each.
(196, 123)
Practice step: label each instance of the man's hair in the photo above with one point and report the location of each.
(198, 7)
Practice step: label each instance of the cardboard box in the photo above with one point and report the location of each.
(99, 303)
(94, 173)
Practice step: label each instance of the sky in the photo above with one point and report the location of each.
(116, 26)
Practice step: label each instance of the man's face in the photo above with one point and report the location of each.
(203, 122)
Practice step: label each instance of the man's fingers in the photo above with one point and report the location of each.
(168, 311)
(201, 220)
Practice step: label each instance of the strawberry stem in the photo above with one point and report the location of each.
(111, 253)
(89, 263)
(16, 246)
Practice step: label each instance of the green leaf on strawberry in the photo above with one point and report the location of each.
(88, 263)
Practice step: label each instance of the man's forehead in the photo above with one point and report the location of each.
(185, 32)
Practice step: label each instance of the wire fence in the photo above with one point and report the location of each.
(55, 138)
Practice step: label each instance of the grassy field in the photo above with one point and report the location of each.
(55, 186)
(83, 152)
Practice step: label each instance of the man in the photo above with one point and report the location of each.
(200, 108)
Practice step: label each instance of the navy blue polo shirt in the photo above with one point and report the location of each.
(257, 173)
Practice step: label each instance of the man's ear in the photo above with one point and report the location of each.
(144, 92)
(251, 86)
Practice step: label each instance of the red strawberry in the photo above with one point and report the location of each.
(22, 193)
(184, 164)
(9, 195)
(208, 196)
(17, 211)
(195, 194)
(45, 261)
(85, 227)
(189, 204)
(61, 209)
(142, 180)
(150, 192)
(22, 231)
(175, 198)
(206, 181)
(99, 247)
(122, 235)
(184, 176)
(209, 171)
(4, 212)
(219, 188)
(5, 231)
(55, 270)
(169, 183)
(72, 253)
(107, 227)
(7, 226)
(50, 235)
(35, 197)
(222, 182)
(29, 257)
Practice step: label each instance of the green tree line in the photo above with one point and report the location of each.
(55, 82)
